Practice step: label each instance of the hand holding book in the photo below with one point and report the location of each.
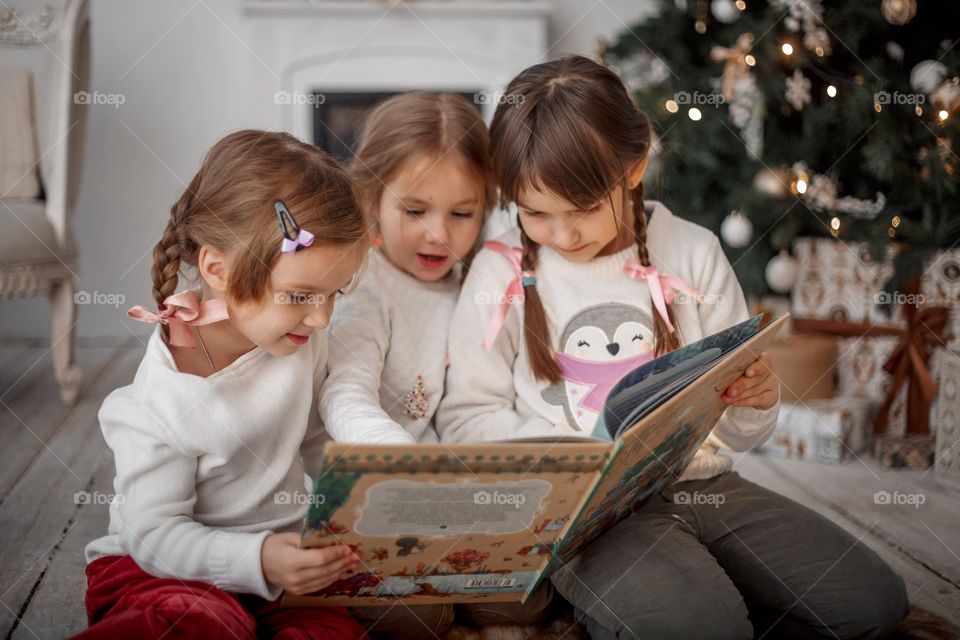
(758, 387)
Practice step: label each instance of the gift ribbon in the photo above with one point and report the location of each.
(907, 363)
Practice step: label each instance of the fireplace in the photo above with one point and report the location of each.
(325, 62)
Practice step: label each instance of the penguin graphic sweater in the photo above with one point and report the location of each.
(602, 320)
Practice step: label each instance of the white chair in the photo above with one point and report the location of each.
(37, 252)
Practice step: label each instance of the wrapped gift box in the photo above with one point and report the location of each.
(841, 281)
(828, 430)
(860, 374)
(805, 365)
(947, 420)
(940, 286)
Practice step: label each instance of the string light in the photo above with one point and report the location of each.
(694, 114)
(877, 107)
(832, 91)
(943, 115)
(740, 4)
(835, 227)
(671, 106)
(750, 60)
(787, 48)
(801, 186)
(918, 110)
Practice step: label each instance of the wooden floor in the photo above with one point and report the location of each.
(50, 454)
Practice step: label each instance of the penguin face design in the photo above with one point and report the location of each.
(617, 334)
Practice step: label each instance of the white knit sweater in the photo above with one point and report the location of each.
(206, 468)
(387, 364)
(596, 313)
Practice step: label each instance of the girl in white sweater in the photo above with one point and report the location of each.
(422, 166)
(212, 438)
(594, 282)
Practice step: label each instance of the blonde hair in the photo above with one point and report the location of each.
(411, 124)
(229, 205)
(570, 127)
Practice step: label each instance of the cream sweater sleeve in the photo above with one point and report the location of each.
(479, 403)
(350, 398)
(739, 428)
(155, 488)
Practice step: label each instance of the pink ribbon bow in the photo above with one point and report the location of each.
(181, 310)
(303, 239)
(663, 287)
(514, 292)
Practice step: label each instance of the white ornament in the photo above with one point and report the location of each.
(770, 183)
(781, 272)
(736, 230)
(724, 11)
(926, 75)
(798, 90)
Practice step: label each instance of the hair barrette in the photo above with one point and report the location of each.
(294, 238)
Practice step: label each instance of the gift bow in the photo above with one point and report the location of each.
(663, 287)
(180, 310)
(907, 362)
(514, 290)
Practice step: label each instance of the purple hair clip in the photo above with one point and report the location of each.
(294, 238)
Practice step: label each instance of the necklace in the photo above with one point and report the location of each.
(205, 352)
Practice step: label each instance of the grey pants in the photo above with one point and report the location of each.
(730, 559)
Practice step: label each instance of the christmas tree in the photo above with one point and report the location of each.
(779, 118)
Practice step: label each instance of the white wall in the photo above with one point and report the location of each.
(187, 71)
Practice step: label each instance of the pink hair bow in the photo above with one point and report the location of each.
(179, 311)
(514, 290)
(663, 287)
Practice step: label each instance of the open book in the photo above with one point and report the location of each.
(489, 521)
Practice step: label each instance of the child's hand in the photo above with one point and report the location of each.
(301, 571)
(758, 387)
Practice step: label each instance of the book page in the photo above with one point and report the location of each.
(653, 453)
(439, 523)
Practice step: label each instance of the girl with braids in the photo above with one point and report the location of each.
(594, 282)
(212, 438)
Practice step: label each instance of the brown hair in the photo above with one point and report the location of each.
(229, 204)
(569, 126)
(410, 124)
